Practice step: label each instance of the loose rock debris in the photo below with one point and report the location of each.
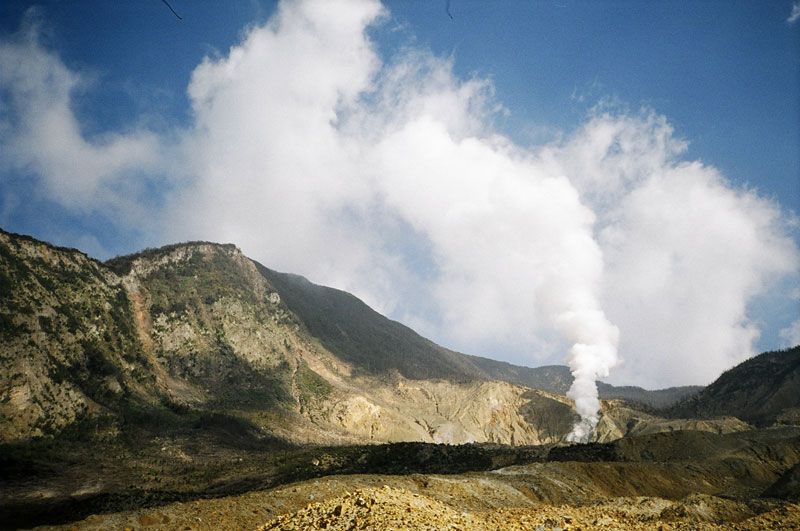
(390, 508)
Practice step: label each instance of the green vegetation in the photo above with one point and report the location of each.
(755, 391)
(122, 314)
(311, 385)
(13, 270)
(194, 282)
(122, 265)
(8, 328)
(32, 240)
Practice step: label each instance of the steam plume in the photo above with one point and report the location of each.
(592, 355)
(588, 361)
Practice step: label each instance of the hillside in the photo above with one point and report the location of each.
(199, 330)
(190, 372)
(69, 342)
(197, 333)
(762, 390)
(357, 334)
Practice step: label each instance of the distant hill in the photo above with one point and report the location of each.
(558, 378)
(551, 378)
(758, 391)
(656, 399)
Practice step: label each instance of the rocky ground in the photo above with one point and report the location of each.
(432, 502)
(679, 480)
(391, 508)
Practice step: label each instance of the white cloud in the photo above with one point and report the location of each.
(795, 14)
(42, 137)
(266, 163)
(685, 255)
(388, 180)
(791, 334)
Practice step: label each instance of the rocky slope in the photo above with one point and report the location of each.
(355, 333)
(380, 502)
(762, 390)
(557, 379)
(679, 480)
(393, 508)
(199, 328)
(68, 340)
(191, 371)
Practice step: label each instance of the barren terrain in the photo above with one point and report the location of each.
(468, 502)
(189, 387)
(677, 480)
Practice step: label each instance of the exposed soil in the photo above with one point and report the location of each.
(683, 480)
(390, 508)
(441, 503)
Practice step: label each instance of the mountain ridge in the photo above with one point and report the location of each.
(552, 378)
(191, 371)
(742, 391)
(199, 327)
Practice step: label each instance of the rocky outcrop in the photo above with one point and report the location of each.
(390, 507)
(67, 339)
(618, 419)
(199, 328)
(787, 487)
(444, 412)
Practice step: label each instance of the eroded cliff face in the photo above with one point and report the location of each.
(67, 339)
(197, 328)
(618, 419)
(192, 327)
(208, 339)
(440, 412)
(211, 326)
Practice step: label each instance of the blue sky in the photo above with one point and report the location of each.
(402, 154)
